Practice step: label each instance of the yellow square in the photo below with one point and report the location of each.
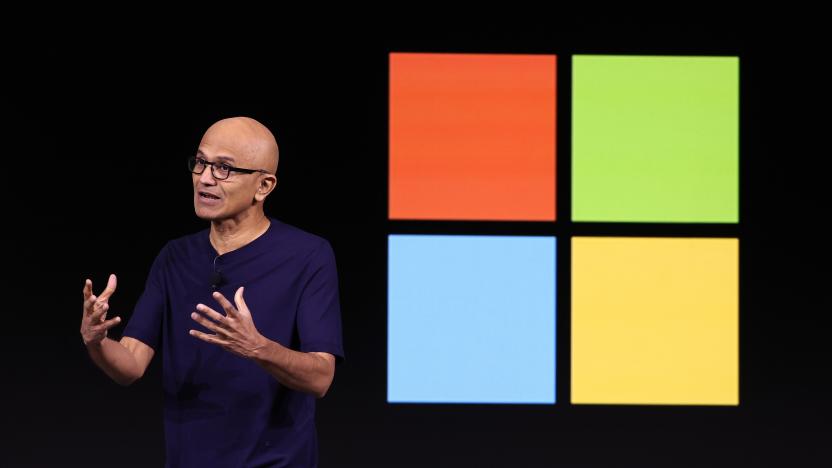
(655, 321)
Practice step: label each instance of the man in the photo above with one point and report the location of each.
(240, 379)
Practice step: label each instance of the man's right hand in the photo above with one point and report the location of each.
(94, 325)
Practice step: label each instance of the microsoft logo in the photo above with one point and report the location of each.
(649, 188)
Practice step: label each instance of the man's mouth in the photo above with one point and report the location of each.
(209, 196)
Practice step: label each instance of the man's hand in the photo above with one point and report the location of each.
(234, 331)
(94, 325)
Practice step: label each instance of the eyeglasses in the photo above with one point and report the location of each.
(219, 170)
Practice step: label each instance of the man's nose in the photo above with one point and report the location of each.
(207, 177)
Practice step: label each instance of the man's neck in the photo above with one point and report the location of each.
(231, 234)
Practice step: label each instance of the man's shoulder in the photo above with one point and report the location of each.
(186, 243)
(298, 238)
(284, 236)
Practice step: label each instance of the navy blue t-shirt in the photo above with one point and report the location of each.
(223, 410)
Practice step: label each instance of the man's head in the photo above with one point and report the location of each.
(237, 142)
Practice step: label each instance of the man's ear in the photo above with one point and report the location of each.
(267, 184)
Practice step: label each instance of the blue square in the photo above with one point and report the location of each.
(471, 319)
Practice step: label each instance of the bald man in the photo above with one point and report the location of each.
(246, 313)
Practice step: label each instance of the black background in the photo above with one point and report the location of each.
(104, 118)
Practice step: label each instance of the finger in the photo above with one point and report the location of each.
(226, 306)
(87, 289)
(241, 303)
(209, 324)
(99, 311)
(206, 337)
(211, 313)
(110, 289)
(106, 325)
(88, 305)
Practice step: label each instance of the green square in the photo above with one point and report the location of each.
(655, 139)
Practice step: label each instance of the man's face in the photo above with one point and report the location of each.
(216, 199)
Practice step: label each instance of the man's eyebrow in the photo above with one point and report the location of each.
(219, 158)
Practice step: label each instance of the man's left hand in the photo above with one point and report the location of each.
(234, 331)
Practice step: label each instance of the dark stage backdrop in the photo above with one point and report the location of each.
(96, 183)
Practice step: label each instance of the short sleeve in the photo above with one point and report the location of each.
(319, 311)
(146, 322)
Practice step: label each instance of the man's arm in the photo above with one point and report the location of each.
(123, 361)
(235, 331)
(308, 372)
